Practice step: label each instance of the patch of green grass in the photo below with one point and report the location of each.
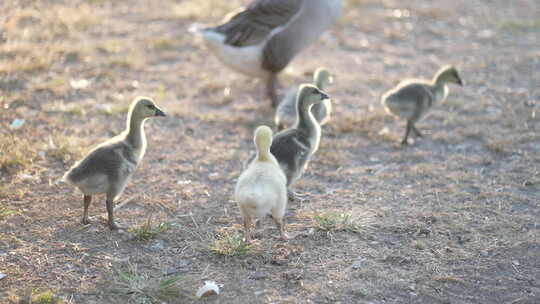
(114, 109)
(147, 232)
(163, 44)
(24, 57)
(159, 93)
(118, 62)
(230, 245)
(16, 153)
(32, 296)
(134, 286)
(5, 212)
(513, 26)
(64, 148)
(333, 222)
(46, 297)
(71, 108)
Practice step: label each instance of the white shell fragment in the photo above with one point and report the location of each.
(79, 83)
(208, 289)
(2, 275)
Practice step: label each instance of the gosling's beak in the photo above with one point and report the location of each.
(159, 113)
(459, 81)
(324, 95)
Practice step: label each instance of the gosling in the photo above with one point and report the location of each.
(412, 99)
(294, 147)
(262, 187)
(108, 167)
(286, 111)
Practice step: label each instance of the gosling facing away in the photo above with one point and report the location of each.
(411, 99)
(262, 39)
(294, 147)
(108, 167)
(286, 111)
(262, 188)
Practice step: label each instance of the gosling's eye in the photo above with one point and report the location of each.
(151, 107)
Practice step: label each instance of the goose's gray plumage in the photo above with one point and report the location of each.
(262, 188)
(261, 40)
(109, 167)
(294, 147)
(413, 98)
(286, 111)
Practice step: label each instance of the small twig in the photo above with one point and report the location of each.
(192, 218)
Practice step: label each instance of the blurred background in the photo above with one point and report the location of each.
(441, 221)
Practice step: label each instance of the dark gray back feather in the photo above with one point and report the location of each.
(255, 23)
(106, 159)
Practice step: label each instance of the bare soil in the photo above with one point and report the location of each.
(453, 218)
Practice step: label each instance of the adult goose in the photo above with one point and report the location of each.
(262, 39)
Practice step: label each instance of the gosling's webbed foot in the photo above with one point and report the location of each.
(114, 226)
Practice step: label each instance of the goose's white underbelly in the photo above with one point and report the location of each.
(246, 60)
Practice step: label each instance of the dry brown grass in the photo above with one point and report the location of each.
(452, 218)
(16, 153)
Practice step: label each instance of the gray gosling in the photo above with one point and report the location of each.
(286, 111)
(294, 147)
(262, 188)
(412, 99)
(108, 167)
(262, 39)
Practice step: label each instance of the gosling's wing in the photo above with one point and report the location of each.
(291, 149)
(252, 25)
(410, 100)
(112, 160)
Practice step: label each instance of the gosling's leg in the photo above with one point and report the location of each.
(281, 227)
(87, 200)
(110, 212)
(247, 227)
(416, 132)
(407, 131)
(271, 89)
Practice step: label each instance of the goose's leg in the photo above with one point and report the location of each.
(281, 227)
(271, 89)
(87, 201)
(110, 212)
(416, 132)
(407, 131)
(247, 227)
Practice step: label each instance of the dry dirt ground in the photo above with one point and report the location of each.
(453, 218)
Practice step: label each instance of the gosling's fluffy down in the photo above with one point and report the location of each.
(108, 167)
(412, 99)
(294, 147)
(262, 188)
(286, 111)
